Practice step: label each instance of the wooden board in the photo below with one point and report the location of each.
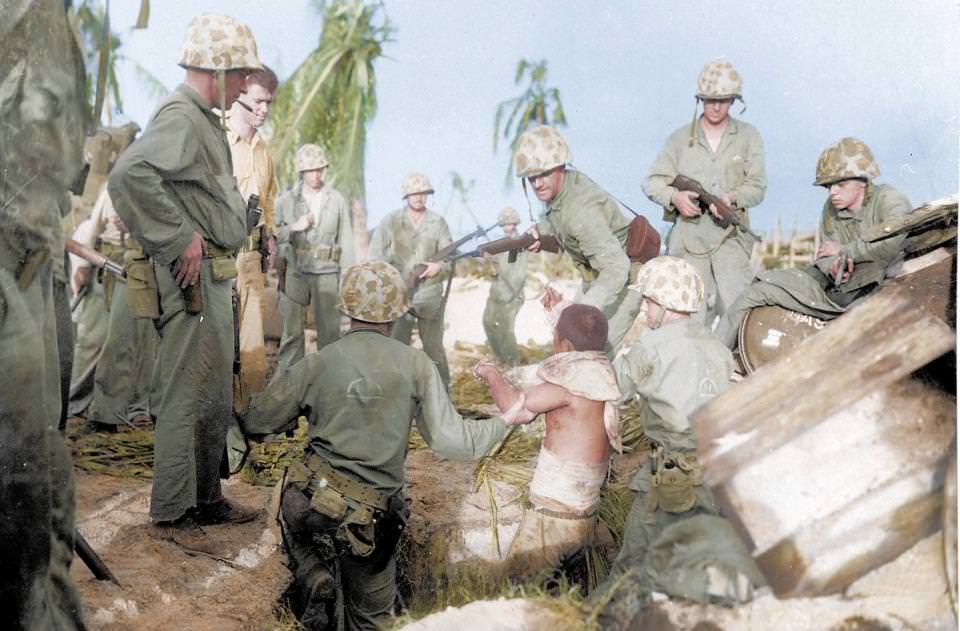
(936, 212)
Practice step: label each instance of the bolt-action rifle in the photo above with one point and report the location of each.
(727, 214)
(548, 243)
(446, 253)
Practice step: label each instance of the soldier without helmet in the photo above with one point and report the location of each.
(176, 191)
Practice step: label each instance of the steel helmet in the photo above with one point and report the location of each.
(310, 157)
(719, 80)
(219, 42)
(415, 183)
(846, 159)
(540, 149)
(508, 216)
(373, 292)
(672, 283)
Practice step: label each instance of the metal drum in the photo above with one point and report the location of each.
(770, 332)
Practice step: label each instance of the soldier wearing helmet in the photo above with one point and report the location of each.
(506, 295)
(725, 155)
(343, 508)
(669, 372)
(175, 189)
(586, 221)
(407, 238)
(846, 268)
(315, 233)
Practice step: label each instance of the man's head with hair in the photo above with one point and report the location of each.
(265, 78)
(585, 327)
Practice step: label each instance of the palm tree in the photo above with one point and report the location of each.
(331, 97)
(101, 48)
(538, 105)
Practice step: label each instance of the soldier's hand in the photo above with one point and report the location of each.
(81, 277)
(302, 224)
(431, 269)
(686, 203)
(535, 233)
(551, 298)
(846, 273)
(272, 252)
(186, 270)
(119, 224)
(828, 248)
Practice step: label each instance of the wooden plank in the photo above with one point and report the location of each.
(879, 341)
(934, 212)
(930, 239)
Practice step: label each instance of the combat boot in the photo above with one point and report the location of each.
(188, 535)
(223, 512)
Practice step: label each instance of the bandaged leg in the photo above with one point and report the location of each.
(561, 518)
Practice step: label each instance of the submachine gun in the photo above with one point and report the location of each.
(728, 216)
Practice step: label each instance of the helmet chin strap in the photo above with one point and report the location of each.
(222, 87)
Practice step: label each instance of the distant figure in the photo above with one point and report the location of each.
(586, 221)
(725, 155)
(316, 241)
(854, 204)
(406, 238)
(579, 397)
(506, 295)
(343, 508)
(674, 541)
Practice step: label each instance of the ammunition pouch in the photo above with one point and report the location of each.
(143, 292)
(357, 507)
(673, 483)
(223, 262)
(108, 280)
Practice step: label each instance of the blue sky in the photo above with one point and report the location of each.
(814, 71)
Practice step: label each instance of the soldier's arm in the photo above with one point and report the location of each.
(169, 147)
(606, 256)
(283, 218)
(268, 200)
(632, 370)
(752, 189)
(378, 243)
(892, 203)
(277, 408)
(443, 240)
(665, 168)
(443, 428)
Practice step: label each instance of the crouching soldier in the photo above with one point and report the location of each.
(342, 507)
(675, 541)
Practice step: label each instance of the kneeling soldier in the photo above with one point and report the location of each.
(342, 507)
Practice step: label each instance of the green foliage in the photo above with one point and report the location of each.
(101, 54)
(332, 96)
(537, 105)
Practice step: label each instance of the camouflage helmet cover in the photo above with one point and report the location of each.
(415, 183)
(219, 42)
(508, 216)
(672, 283)
(373, 292)
(540, 149)
(310, 157)
(719, 80)
(846, 159)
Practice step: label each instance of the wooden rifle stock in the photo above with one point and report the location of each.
(548, 243)
(95, 258)
(727, 215)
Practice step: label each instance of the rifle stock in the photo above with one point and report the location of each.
(727, 215)
(444, 253)
(548, 243)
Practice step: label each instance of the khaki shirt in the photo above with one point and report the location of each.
(592, 230)
(736, 167)
(507, 285)
(253, 167)
(671, 371)
(399, 243)
(177, 178)
(361, 408)
(327, 245)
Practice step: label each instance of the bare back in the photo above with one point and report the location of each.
(575, 429)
